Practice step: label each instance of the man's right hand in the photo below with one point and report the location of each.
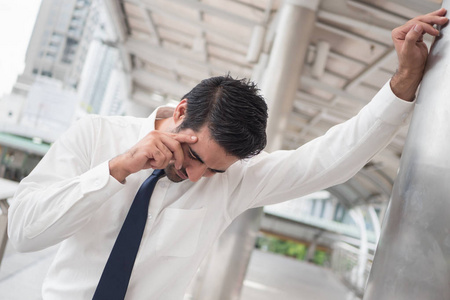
(154, 151)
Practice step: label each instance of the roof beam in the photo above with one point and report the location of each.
(379, 13)
(152, 6)
(314, 83)
(159, 84)
(385, 34)
(150, 24)
(350, 35)
(157, 55)
(216, 12)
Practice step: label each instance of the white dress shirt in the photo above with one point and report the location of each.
(71, 199)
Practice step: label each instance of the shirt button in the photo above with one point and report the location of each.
(404, 116)
(150, 216)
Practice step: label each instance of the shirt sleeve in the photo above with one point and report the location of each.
(323, 162)
(61, 193)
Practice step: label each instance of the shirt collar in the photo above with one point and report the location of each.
(161, 112)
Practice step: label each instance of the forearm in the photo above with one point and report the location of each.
(44, 214)
(62, 192)
(329, 159)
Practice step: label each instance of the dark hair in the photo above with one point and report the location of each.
(234, 112)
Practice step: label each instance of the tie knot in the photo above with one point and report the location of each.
(158, 173)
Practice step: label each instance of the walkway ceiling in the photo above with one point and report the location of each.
(168, 46)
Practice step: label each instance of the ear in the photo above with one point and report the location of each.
(180, 112)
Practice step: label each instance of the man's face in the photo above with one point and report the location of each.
(202, 159)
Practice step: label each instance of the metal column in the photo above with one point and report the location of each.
(225, 270)
(281, 78)
(412, 261)
(227, 264)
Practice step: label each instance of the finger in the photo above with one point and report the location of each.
(432, 19)
(427, 28)
(421, 28)
(414, 35)
(177, 153)
(440, 12)
(178, 156)
(168, 155)
(177, 150)
(437, 16)
(184, 138)
(160, 156)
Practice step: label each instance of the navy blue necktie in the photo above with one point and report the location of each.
(113, 283)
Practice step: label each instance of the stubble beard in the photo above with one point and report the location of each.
(172, 175)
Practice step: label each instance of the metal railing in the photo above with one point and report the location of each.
(345, 263)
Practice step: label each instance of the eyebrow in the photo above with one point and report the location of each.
(197, 157)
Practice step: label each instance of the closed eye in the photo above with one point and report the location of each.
(195, 156)
(192, 156)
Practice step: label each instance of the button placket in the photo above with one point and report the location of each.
(155, 204)
(156, 201)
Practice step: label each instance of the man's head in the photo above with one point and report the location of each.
(233, 111)
(229, 118)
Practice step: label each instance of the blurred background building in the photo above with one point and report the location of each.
(72, 67)
(58, 46)
(317, 63)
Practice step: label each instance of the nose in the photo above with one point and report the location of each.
(195, 172)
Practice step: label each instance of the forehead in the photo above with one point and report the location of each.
(211, 153)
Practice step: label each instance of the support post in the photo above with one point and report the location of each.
(225, 271)
(281, 79)
(412, 261)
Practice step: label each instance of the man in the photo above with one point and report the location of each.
(80, 193)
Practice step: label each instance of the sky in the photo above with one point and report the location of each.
(17, 19)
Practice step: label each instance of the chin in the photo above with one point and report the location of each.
(171, 174)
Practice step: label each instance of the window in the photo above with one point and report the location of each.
(69, 50)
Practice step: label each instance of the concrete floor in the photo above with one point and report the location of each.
(22, 274)
(269, 276)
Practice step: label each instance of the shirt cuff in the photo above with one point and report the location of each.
(99, 178)
(387, 107)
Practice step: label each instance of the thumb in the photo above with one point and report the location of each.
(414, 35)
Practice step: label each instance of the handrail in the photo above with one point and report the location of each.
(344, 263)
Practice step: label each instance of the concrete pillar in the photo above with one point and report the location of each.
(227, 265)
(225, 271)
(281, 79)
(412, 260)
